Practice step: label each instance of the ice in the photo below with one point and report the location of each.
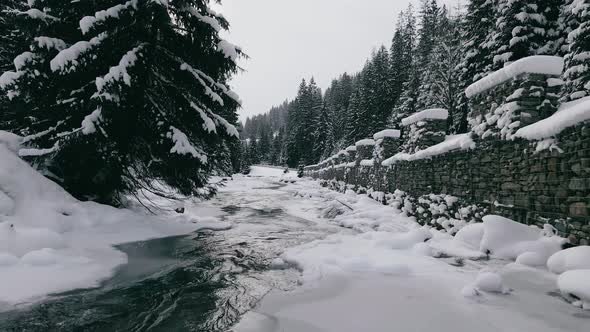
(575, 258)
(537, 64)
(576, 283)
(568, 115)
(434, 113)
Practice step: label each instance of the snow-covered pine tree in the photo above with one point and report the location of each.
(323, 136)
(577, 59)
(353, 116)
(440, 82)
(524, 29)
(398, 60)
(122, 96)
(567, 22)
(380, 96)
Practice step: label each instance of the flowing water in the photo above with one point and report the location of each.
(201, 282)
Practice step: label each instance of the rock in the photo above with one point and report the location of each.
(578, 209)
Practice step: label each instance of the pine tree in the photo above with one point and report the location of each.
(524, 29)
(440, 82)
(577, 71)
(123, 96)
(323, 137)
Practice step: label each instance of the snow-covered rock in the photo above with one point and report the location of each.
(391, 133)
(538, 64)
(568, 115)
(576, 283)
(451, 143)
(434, 114)
(470, 235)
(575, 258)
(508, 239)
(351, 148)
(531, 258)
(365, 142)
(490, 282)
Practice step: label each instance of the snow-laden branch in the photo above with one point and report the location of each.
(211, 21)
(71, 54)
(50, 43)
(34, 13)
(87, 22)
(183, 146)
(200, 76)
(117, 73)
(197, 74)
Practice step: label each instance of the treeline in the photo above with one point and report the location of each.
(433, 57)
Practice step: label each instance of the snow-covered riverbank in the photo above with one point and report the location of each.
(393, 274)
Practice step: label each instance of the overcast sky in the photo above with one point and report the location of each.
(288, 40)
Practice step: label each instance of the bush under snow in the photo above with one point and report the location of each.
(576, 258)
(576, 283)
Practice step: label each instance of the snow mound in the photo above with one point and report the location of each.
(10, 140)
(531, 258)
(575, 258)
(538, 64)
(471, 235)
(576, 283)
(505, 238)
(568, 115)
(351, 148)
(392, 133)
(490, 282)
(434, 114)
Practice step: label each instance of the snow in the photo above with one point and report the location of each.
(50, 43)
(87, 22)
(568, 115)
(35, 13)
(451, 143)
(577, 283)
(69, 56)
(367, 162)
(490, 282)
(10, 140)
(50, 242)
(391, 133)
(470, 235)
(228, 49)
(365, 142)
(118, 72)
(351, 148)
(211, 21)
(183, 146)
(434, 113)
(537, 64)
(576, 258)
(505, 238)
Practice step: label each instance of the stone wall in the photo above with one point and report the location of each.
(506, 177)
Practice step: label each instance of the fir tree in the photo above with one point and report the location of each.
(323, 137)
(577, 72)
(124, 96)
(524, 29)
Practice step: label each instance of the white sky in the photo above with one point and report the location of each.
(288, 40)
